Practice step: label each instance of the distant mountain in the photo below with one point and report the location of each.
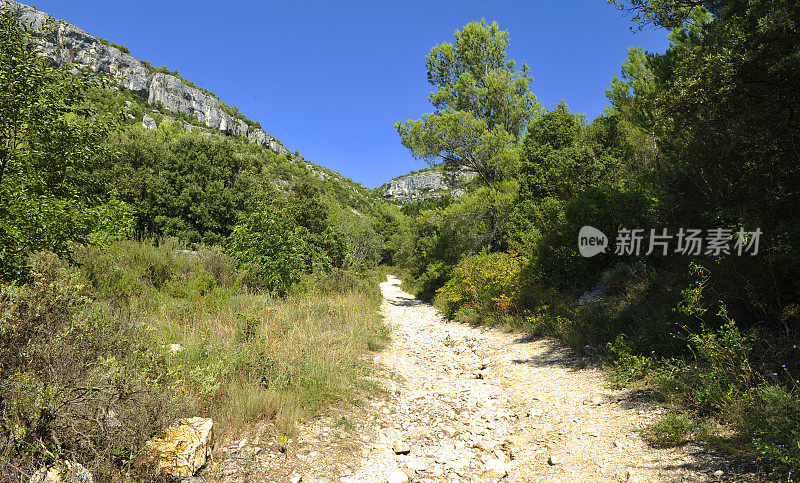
(69, 44)
(425, 184)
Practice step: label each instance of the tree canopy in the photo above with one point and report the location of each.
(482, 105)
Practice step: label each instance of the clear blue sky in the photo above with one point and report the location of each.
(330, 78)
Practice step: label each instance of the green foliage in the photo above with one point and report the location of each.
(414, 208)
(772, 421)
(721, 373)
(434, 242)
(218, 264)
(182, 184)
(482, 284)
(269, 249)
(115, 221)
(345, 280)
(725, 352)
(669, 13)
(671, 430)
(233, 111)
(363, 243)
(549, 229)
(49, 140)
(247, 328)
(558, 159)
(767, 417)
(285, 237)
(627, 366)
(704, 135)
(122, 48)
(88, 376)
(194, 187)
(60, 160)
(724, 133)
(482, 104)
(569, 178)
(166, 70)
(632, 96)
(125, 269)
(79, 383)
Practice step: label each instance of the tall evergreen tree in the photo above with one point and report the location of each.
(482, 104)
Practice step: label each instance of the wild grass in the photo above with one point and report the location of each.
(246, 357)
(239, 356)
(151, 334)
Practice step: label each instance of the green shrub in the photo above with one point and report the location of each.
(541, 321)
(772, 421)
(670, 430)
(126, 268)
(220, 265)
(362, 242)
(607, 208)
(285, 238)
(715, 384)
(78, 383)
(270, 250)
(724, 365)
(112, 44)
(122, 48)
(485, 283)
(165, 70)
(115, 221)
(625, 365)
(432, 277)
(196, 282)
(341, 281)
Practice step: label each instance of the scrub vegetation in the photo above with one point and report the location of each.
(153, 274)
(704, 136)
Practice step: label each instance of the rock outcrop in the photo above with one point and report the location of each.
(184, 448)
(426, 184)
(69, 44)
(148, 122)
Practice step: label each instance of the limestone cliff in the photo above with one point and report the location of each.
(424, 184)
(69, 44)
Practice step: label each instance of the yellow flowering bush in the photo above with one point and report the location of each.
(483, 283)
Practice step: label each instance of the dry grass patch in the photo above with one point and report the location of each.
(248, 357)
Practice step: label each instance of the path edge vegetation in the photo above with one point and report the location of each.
(693, 138)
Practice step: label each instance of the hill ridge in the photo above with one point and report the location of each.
(70, 44)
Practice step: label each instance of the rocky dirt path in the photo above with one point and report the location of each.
(481, 405)
(473, 404)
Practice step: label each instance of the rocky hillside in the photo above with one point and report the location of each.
(424, 184)
(155, 94)
(69, 44)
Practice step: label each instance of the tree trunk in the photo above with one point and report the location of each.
(494, 236)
